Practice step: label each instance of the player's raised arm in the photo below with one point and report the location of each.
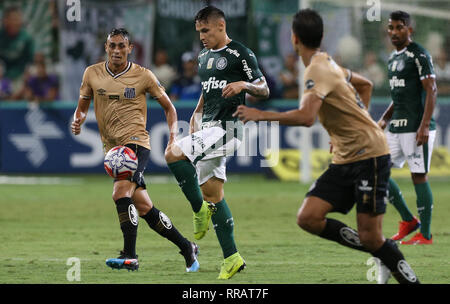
(196, 116)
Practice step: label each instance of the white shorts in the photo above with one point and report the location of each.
(207, 149)
(403, 148)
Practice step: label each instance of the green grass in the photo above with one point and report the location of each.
(44, 225)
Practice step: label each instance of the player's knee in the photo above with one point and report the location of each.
(119, 192)
(173, 154)
(370, 240)
(307, 221)
(419, 178)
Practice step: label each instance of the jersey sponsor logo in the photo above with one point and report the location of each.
(309, 84)
(409, 54)
(247, 69)
(221, 63)
(399, 123)
(233, 52)
(394, 82)
(214, 84)
(114, 97)
(129, 93)
(419, 66)
(101, 92)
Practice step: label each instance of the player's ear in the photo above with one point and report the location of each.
(221, 25)
(130, 48)
(294, 38)
(410, 30)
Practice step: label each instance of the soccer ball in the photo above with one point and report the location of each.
(120, 162)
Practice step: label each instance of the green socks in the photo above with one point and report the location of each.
(224, 226)
(185, 174)
(424, 207)
(396, 199)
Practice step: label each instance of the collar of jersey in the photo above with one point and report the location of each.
(401, 51)
(121, 73)
(222, 48)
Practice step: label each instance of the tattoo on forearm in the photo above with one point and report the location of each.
(257, 90)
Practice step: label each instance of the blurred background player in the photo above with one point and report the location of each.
(228, 70)
(121, 113)
(187, 86)
(360, 167)
(412, 128)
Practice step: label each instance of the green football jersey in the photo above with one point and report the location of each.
(406, 69)
(216, 69)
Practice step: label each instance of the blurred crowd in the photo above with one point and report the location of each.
(29, 75)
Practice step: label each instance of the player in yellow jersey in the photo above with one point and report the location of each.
(118, 88)
(360, 167)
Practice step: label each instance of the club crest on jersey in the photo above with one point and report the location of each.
(129, 93)
(221, 63)
(400, 65)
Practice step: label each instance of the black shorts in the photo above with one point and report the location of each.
(143, 156)
(364, 182)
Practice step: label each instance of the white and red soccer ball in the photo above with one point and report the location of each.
(120, 162)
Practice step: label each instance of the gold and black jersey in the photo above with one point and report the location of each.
(119, 102)
(354, 134)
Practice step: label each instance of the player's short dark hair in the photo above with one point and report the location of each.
(208, 12)
(401, 16)
(308, 27)
(120, 31)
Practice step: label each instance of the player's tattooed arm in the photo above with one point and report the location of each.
(80, 114)
(257, 89)
(304, 116)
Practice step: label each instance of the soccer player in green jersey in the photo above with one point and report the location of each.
(412, 128)
(228, 70)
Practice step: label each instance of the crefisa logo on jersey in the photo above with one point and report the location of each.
(129, 93)
(214, 84)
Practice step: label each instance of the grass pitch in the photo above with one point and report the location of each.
(44, 225)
